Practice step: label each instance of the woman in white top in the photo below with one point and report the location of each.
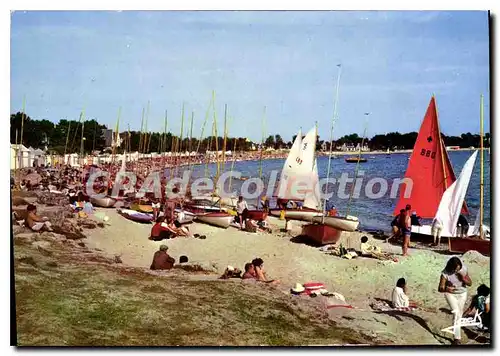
(453, 282)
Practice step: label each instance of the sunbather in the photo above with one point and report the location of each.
(258, 265)
(249, 271)
(35, 222)
(368, 250)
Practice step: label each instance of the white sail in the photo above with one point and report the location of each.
(477, 223)
(124, 158)
(312, 199)
(289, 168)
(453, 199)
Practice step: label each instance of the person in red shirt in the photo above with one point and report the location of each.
(159, 232)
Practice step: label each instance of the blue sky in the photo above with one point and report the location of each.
(392, 62)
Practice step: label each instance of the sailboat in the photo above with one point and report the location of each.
(430, 170)
(477, 235)
(300, 165)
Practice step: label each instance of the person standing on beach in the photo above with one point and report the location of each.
(453, 282)
(241, 209)
(404, 225)
(396, 230)
(436, 228)
(463, 226)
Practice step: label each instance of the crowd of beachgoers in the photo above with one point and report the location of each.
(362, 266)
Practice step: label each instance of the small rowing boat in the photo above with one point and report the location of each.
(106, 202)
(219, 219)
(135, 215)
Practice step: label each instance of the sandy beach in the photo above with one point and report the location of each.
(360, 280)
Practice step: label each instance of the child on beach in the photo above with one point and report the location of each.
(35, 222)
(481, 304)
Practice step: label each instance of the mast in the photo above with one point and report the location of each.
(180, 139)
(216, 139)
(16, 155)
(331, 140)
(67, 138)
(225, 139)
(441, 146)
(81, 141)
(481, 186)
(95, 131)
(357, 168)
(262, 142)
(190, 139)
(116, 134)
(232, 164)
(141, 138)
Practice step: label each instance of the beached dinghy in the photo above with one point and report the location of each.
(219, 219)
(300, 164)
(348, 223)
(257, 215)
(321, 234)
(135, 215)
(187, 216)
(106, 202)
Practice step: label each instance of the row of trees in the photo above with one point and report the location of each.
(65, 136)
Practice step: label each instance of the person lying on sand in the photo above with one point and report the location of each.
(158, 232)
(35, 222)
(231, 272)
(161, 260)
(258, 265)
(399, 297)
(368, 250)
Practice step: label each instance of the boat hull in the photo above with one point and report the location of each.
(136, 216)
(219, 219)
(338, 222)
(258, 215)
(424, 234)
(106, 202)
(303, 214)
(188, 216)
(462, 245)
(321, 234)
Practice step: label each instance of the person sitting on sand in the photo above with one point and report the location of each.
(35, 222)
(176, 228)
(399, 297)
(481, 303)
(158, 232)
(161, 259)
(249, 271)
(260, 275)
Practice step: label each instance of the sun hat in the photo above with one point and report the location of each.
(298, 288)
(230, 268)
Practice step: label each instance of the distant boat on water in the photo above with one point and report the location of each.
(355, 160)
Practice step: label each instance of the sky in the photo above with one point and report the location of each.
(276, 71)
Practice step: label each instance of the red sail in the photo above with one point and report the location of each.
(429, 168)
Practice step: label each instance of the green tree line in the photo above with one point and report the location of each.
(65, 136)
